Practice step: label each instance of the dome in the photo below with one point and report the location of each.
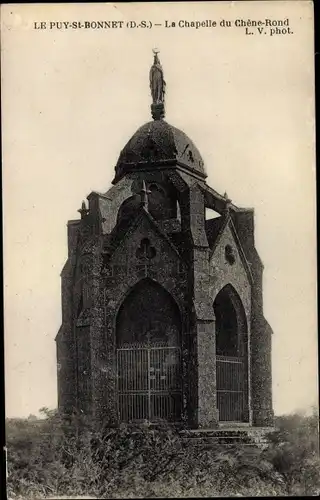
(159, 143)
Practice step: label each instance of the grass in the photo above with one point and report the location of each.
(47, 459)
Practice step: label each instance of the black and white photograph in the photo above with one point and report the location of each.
(159, 228)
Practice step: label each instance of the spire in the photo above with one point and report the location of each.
(157, 87)
(83, 211)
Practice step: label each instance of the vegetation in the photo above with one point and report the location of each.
(47, 459)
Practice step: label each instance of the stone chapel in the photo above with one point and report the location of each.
(162, 310)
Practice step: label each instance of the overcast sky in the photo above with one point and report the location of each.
(73, 98)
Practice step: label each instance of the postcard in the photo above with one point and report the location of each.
(159, 249)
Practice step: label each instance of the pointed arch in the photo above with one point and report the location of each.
(232, 356)
(231, 322)
(148, 314)
(128, 209)
(162, 200)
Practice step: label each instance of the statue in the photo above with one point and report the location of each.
(157, 83)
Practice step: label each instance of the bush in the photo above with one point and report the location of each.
(48, 458)
(294, 453)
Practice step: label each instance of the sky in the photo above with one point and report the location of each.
(71, 99)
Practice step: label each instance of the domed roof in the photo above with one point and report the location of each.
(158, 143)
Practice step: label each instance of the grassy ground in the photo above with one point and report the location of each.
(46, 459)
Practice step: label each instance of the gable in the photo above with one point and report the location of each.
(228, 265)
(225, 234)
(145, 242)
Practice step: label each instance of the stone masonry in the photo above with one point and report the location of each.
(147, 241)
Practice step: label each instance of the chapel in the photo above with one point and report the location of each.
(162, 308)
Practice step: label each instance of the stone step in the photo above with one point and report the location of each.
(210, 437)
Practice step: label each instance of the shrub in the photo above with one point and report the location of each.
(49, 458)
(294, 453)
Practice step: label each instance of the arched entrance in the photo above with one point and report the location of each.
(148, 332)
(231, 356)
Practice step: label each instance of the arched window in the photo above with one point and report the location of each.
(162, 203)
(148, 355)
(129, 208)
(232, 356)
(230, 322)
(148, 315)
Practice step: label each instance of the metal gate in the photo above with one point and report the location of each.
(149, 383)
(232, 389)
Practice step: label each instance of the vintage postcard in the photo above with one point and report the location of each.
(160, 249)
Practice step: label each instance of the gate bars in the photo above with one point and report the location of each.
(149, 383)
(231, 389)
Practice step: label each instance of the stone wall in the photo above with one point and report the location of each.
(107, 261)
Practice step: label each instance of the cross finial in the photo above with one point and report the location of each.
(226, 197)
(227, 201)
(144, 195)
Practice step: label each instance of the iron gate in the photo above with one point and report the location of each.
(231, 389)
(149, 383)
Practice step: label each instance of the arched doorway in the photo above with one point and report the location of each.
(148, 332)
(231, 356)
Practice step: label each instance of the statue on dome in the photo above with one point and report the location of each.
(157, 83)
